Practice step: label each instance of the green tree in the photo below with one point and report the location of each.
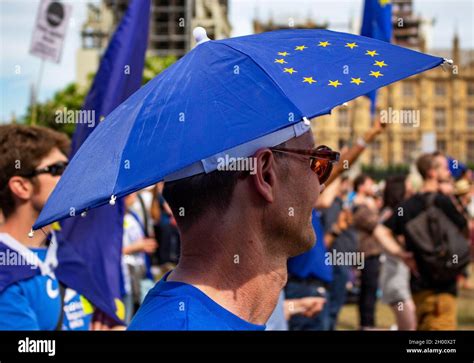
(383, 172)
(154, 65)
(72, 97)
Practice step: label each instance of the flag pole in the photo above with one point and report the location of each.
(35, 94)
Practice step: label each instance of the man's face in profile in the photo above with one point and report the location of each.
(300, 189)
(45, 183)
(442, 168)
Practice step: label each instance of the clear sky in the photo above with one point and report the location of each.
(17, 19)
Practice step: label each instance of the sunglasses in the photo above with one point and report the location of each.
(321, 159)
(55, 169)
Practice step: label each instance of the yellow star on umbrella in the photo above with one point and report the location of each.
(351, 45)
(357, 81)
(309, 80)
(281, 61)
(290, 70)
(284, 54)
(383, 3)
(380, 64)
(324, 44)
(300, 47)
(372, 53)
(335, 83)
(375, 74)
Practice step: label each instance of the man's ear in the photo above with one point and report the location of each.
(264, 178)
(21, 187)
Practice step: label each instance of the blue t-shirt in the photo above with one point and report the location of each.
(172, 305)
(31, 304)
(34, 303)
(312, 264)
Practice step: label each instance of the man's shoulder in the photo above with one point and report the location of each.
(180, 306)
(161, 312)
(442, 200)
(15, 289)
(416, 201)
(409, 208)
(404, 212)
(170, 306)
(30, 304)
(421, 201)
(26, 291)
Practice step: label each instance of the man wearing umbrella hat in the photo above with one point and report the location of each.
(238, 229)
(232, 99)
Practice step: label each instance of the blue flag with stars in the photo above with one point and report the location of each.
(91, 246)
(377, 24)
(331, 68)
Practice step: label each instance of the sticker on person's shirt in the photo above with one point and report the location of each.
(77, 310)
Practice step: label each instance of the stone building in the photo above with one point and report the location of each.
(171, 24)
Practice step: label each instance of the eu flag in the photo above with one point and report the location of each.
(377, 24)
(90, 247)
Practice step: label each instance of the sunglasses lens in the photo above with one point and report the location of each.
(322, 168)
(57, 169)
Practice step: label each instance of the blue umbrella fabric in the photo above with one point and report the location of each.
(220, 95)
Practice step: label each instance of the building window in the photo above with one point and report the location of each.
(441, 146)
(407, 89)
(376, 151)
(409, 148)
(440, 118)
(470, 118)
(375, 146)
(470, 150)
(440, 89)
(343, 118)
(470, 89)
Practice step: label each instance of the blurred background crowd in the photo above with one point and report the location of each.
(370, 292)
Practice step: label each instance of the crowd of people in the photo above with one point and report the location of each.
(374, 219)
(406, 240)
(362, 221)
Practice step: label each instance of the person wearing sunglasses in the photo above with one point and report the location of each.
(55, 169)
(238, 228)
(32, 160)
(308, 273)
(321, 159)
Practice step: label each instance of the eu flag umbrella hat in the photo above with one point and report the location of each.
(229, 96)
